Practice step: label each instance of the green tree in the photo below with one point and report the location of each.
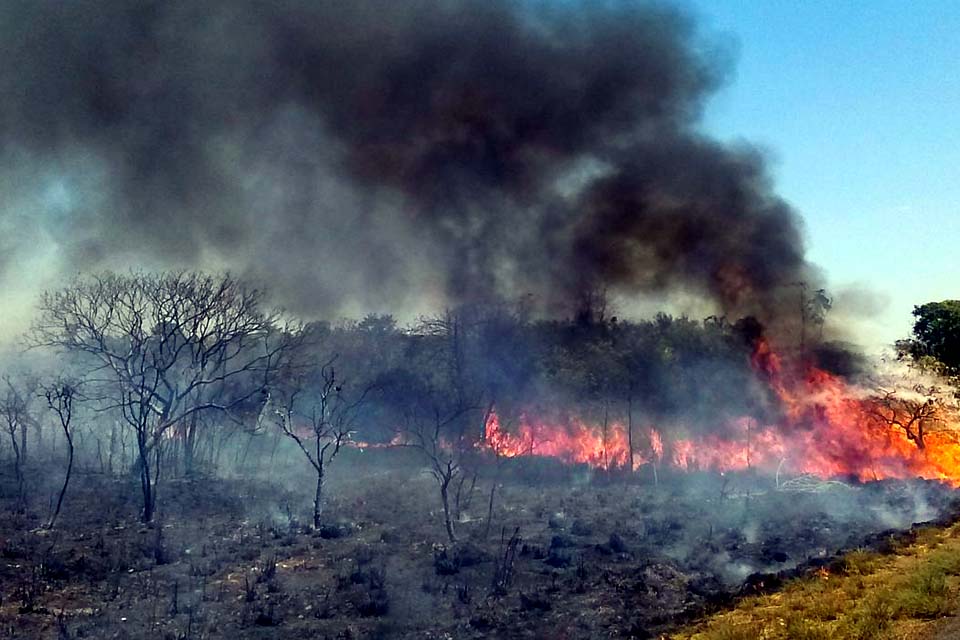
(936, 333)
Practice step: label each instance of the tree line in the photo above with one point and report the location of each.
(155, 373)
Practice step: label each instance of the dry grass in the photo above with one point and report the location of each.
(869, 596)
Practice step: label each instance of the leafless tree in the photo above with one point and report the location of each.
(164, 347)
(443, 415)
(15, 400)
(450, 334)
(915, 412)
(60, 398)
(426, 432)
(320, 423)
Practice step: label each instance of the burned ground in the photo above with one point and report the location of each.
(570, 552)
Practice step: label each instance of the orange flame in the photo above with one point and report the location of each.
(827, 429)
(574, 441)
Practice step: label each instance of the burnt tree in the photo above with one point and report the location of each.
(320, 421)
(60, 397)
(161, 348)
(15, 400)
(445, 406)
(915, 413)
(425, 431)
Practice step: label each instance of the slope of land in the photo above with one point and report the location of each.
(909, 590)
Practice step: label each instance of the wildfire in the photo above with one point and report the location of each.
(828, 428)
(574, 441)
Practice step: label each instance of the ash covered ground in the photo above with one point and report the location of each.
(569, 551)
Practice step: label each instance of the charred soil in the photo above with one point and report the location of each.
(569, 552)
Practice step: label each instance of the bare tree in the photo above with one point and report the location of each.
(320, 423)
(15, 413)
(445, 457)
(60, 397)
(450, 333)
(443, 411)
(432, 422)
(915, 412)
(163, 347)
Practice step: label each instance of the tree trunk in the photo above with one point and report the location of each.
(147, 515)
(493, 489)
(123, 446)
(146, 482)
(318, 498)
(18, 472)
(23, 443)
(447, 520)
(38, 440)
(113, 448)
(189, 445)
(66, 480)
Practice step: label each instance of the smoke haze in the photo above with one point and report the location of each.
(383, 155)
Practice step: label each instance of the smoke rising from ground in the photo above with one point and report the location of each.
(384, 155)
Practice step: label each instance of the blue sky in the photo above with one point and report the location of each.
(858, 105)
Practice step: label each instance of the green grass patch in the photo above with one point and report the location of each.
(734, 631)
(861, 562)
(924, 595)
(865, 596)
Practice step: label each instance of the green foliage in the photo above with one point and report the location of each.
(800, 627)
(868, 620)
(924, 596)
(861, 562)
(865, 596)
(936, 333)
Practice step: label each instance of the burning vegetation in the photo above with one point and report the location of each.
(191, 453)
(681, 464)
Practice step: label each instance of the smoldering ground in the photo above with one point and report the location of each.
(233, 557)
(383, 155)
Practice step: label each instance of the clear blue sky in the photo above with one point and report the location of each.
(858, 105)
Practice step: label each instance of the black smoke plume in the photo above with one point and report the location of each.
(369, 153)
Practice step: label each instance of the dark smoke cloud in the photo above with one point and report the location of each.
(369, 153)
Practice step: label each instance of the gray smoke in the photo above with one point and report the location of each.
(373, 152)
